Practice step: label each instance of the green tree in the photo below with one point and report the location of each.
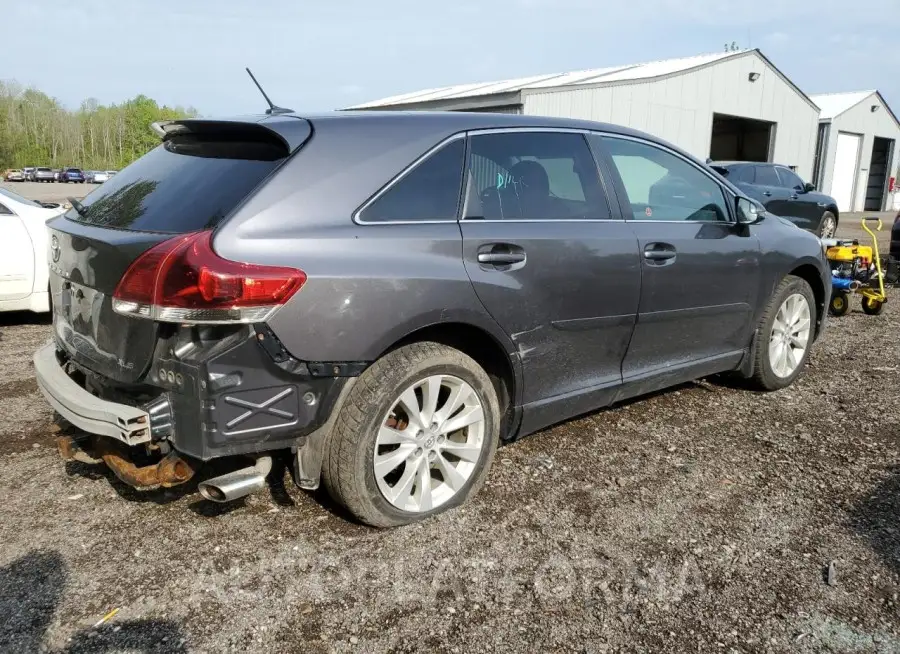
(37, 130)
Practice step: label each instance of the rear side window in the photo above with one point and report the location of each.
(747, 174)
(189, 183)
(766, 176)
(428, 192)
(534, 176)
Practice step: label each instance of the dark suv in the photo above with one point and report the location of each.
(783, 193)
(74, 175)
(381, 298)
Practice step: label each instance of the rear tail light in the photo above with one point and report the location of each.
(183, 280)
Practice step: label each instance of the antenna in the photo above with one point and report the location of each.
(273, 109)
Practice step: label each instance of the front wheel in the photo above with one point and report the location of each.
(416, 436)
(828, 225)
(785, 335)
(840, 304)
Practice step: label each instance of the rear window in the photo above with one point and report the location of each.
(189, 183)
(43, 170)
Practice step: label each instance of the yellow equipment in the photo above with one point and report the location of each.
(856, 269)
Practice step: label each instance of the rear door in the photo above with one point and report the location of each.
(188, 184)
(553, 263)
(700, 270)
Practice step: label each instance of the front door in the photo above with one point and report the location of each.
(807, 207)
(551, 262)
(700, 270)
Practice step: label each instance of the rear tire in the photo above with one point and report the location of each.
(785, 335)
(374, 419)
(872, 307)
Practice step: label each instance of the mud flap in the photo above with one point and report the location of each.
(308, 457)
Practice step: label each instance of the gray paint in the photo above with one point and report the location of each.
(584, 321)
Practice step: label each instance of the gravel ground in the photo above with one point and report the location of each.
(703, 519)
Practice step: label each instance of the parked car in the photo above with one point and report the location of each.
(96, 176)
(895, 238)
(110, 173)
(784, 193)
(386, 301)
(23, 253)
(75, 175)
(28, 173)
(42, 174)
(14, 175)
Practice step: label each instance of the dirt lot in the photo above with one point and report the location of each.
(703, 519)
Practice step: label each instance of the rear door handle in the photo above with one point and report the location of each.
(501, 258)
(768, 194)
(500, 255)
(794, 196)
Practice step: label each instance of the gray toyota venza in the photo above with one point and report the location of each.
(380, 298)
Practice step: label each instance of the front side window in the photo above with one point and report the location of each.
(524, 175)
(789, 179)
(664, 187)
(766, 176)
(428, 192)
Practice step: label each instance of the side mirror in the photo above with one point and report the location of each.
(809, 188)
(748, 212)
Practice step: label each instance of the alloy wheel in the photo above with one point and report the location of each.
(790, 335)
(828, 227)
(429, 443)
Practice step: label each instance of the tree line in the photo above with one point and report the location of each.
(37, 130)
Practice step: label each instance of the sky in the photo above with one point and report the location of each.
(312, 55)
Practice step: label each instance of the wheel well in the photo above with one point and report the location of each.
(810, 275)
(482, 347)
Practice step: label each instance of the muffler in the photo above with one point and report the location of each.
(239, 483)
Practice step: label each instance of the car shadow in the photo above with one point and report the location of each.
(31, 590)
(19, 318)
(876, 517)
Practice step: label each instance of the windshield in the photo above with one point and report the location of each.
(189, 183)
(18, 198)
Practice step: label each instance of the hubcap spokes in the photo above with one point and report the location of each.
(429, 443)
(790, 335)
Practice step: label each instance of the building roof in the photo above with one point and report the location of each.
(834, 104)
(614, 74)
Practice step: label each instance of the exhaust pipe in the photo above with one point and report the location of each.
(855, 285)
(239, 483)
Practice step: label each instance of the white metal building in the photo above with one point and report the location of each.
(856, 149)
(728, 105)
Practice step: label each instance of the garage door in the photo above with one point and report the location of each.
(846, 166)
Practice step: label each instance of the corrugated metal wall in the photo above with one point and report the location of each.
(680, 108)
(506, 109)
(862, 120)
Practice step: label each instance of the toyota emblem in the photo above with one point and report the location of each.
(54, 248)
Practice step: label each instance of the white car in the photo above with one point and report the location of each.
(97, 176)
(24, 269)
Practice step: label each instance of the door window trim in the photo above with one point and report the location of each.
(729, 196)
(604, 184)
(400, 176)
(7, 211)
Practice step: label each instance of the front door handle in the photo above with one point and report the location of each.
(794, 196)
(768, 194)
(659, 252)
